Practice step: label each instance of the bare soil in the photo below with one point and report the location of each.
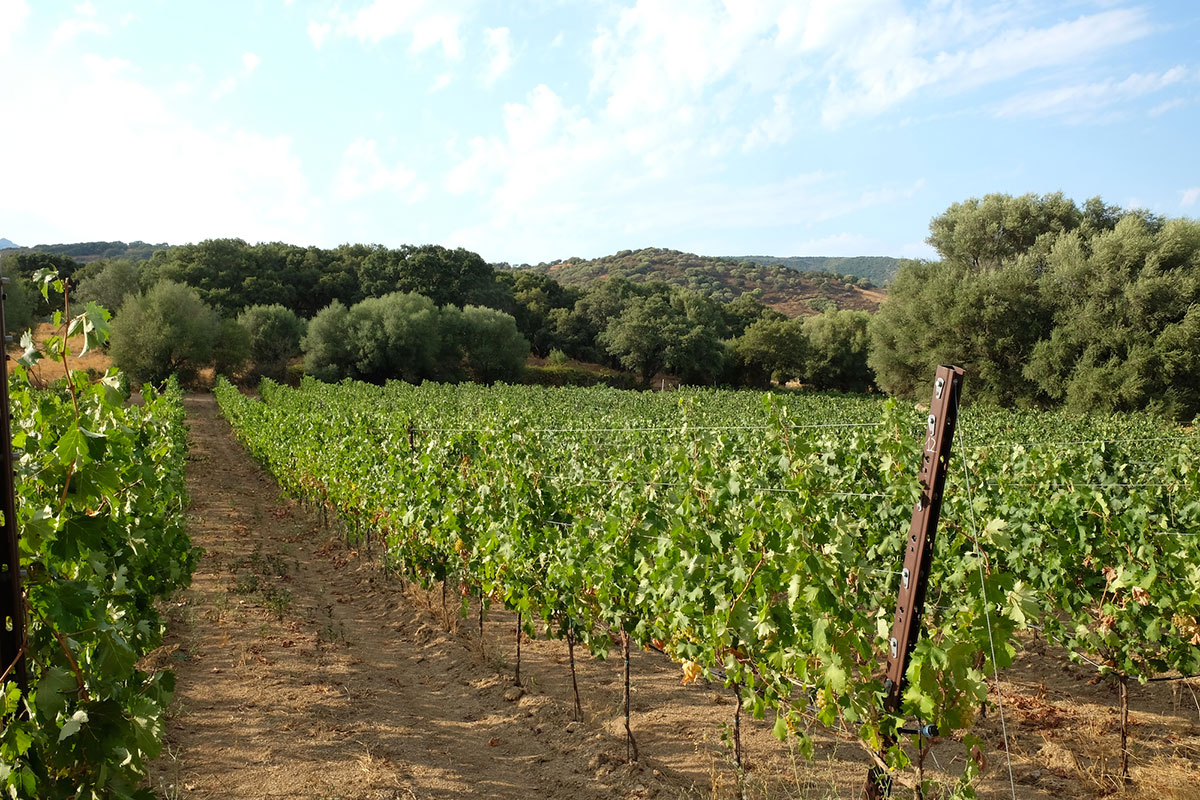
(94, 361)
(304, 671)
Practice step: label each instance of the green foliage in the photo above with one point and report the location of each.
(759, 542)
(1042, 302)
(1126, 320)
(987, 233)
(326, 344)
(406, 336)
(20, 302)
(836, 356)
(275, 333)
(868, 271)
(87, 252)
(772, 349)
(493, 348)
(231, 348)
(641, 334)
(232, 275)
(723, 279)
(101, 509)
(168, 330)
(111, 285)
(26, 264)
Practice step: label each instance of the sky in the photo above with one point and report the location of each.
(537, 130)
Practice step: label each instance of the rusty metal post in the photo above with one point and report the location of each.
(12, 602)
(918, 554)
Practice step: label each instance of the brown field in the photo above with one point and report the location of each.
(96, 361)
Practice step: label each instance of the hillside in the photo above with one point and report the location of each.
(7, 244)
(789, 291)
(86, 252)
(879, 270)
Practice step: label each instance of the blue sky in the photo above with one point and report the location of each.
(536, 130)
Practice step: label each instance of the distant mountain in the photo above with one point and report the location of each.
(6, 244)
(879, 270)
(790, 291)
(87, 252)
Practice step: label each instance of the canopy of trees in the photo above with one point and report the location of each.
(1045, 302)
(406, 336)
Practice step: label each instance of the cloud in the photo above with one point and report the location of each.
(318, 32)
(898, 56)
(250, 62)
(12, 18)
(362, 172)
(73, 27)
(499, 54)
(843, 60)
(774, 128)
(1188, 197)
(428, 23)
(1081, 101)
(153, 175)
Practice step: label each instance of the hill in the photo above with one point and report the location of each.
(7, 244)
(87, 252)
(789, 291)
(879, 270)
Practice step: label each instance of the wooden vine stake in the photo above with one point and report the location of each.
(631, 749)
(918, 554)
(577, 708)
(12, 601)
(517, 672)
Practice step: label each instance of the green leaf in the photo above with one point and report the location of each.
(72, 725)
(780, 730)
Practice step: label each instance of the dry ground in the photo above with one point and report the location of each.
(305, 672)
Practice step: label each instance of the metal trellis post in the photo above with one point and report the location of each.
(12, 603)
(918, 553)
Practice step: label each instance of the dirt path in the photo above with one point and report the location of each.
(304, 672)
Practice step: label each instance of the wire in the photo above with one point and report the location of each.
(987, 615)
(681, 428)
(668, 484)
(1089, 441)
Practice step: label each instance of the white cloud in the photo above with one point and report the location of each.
(1188, 197)
(1081, 101)
(363, 172)
(1169, 105)
(441, 82)
(854, 60)
(73, 27)
(429, 23)
(499, 54)
(250, 62)
(153, 175)
(318, 32)
(12, 17)
(898, 56)
(774, 128)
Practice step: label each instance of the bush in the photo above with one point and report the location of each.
(274, 335)
(166, 331)
(493, 349)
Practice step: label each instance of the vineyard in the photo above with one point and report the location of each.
(100, 499)
(758, 540)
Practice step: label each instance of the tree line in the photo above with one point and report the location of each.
(1043, 301)
(421, 313)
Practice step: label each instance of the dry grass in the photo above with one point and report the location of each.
(95, 362)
